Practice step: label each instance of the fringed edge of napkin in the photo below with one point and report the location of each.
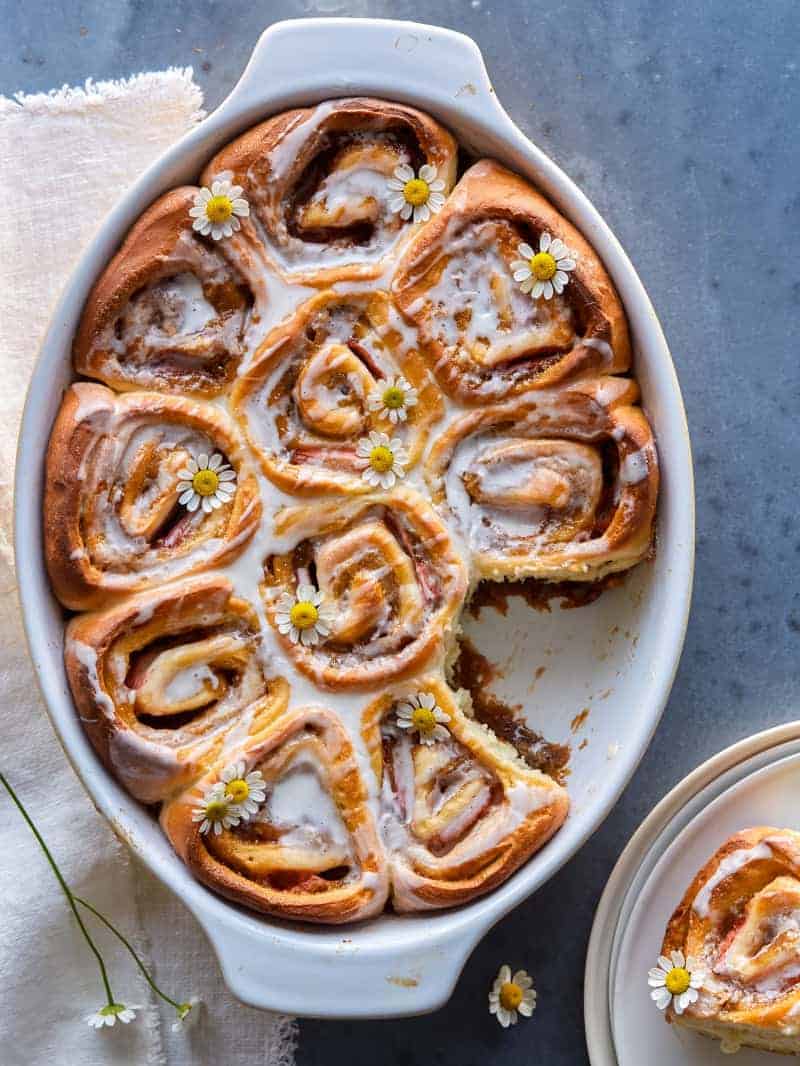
(159, 85)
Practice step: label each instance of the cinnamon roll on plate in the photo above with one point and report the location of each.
(334, 388)
(737, 932)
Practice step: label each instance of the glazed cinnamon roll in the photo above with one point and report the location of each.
(330, 186)
(559, 484)
(370, 590)
(160, 681)
(310, 850)
(141, 488)
(460, 811)
(736, 936)
(172, 310)
(341, 369)
(507, 295)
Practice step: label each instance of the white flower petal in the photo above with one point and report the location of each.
(525, 251)
(544, 242)
(661, 998)
(427, 173)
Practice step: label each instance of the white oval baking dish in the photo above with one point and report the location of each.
(620, 653)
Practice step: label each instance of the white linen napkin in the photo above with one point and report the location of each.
(68, 156)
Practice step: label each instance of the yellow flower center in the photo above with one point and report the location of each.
(424, 719)
(416, 192)
(238, 790)
(216, 810)
(303, 615)
(393, 398)
(381, 459)
(678, 980)
(219, 209)
(510, 995)
(543, 266)
(205, 482)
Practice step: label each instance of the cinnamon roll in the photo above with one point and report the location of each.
(507, 295)
(342, 368)
(141, 488)
(311, 851)
(160, 681)
(172, 310)
(737, 932)
(370, 590)
(326, 183)
(460, 810)
(559, 484)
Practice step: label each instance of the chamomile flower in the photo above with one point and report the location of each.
(422, 715)
(675, 980)
(385, 459)
(110, 1014)
(187, 1013)
(512, 996)
(418, 195)
(216, 810)
(206, 482)
(216, 211)
(393, 399)
(544, 272)
(246, 791)
(305, 617)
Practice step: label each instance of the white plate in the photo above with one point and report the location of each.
(757, 782)
(617, 657)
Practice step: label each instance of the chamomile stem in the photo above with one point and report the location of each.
(65, 887)
(131, 949)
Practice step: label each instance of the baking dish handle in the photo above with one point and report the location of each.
(368, 971)
(433, 66)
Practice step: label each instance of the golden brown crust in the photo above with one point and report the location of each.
(333, 871)
(528, 344)
(304, 403)
(101, 541)
(387, 566)
(160, 680)
(578, 464)
(738, 921)
(479, 812)
(290, 166)
(133, 334)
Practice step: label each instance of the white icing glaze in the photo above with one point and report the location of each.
(729, 865)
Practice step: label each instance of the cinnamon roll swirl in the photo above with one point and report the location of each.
(471, 282)
(558, 484)
(738, 928)
(320, 182)
(171, 311)
(343, 367)
(460, 811)
(311, 852)
(141, 488)
(370, 590)
(160, 681)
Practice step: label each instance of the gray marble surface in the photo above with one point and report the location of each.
(680, 121)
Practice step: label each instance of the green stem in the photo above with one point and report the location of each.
(129, 946)
(65, 887)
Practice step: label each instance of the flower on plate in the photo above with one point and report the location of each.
(216, 811)
(675, 980)
(216, 211)
(304, 617)
(246, 791)
(420, 195)
(206, 482)
(422, 715)
(394, 399)
(385, 459)
(187, 1013)
(544, 272)
(109, 1015)
(512, 996)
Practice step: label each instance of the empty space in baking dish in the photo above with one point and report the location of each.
(769, 796)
